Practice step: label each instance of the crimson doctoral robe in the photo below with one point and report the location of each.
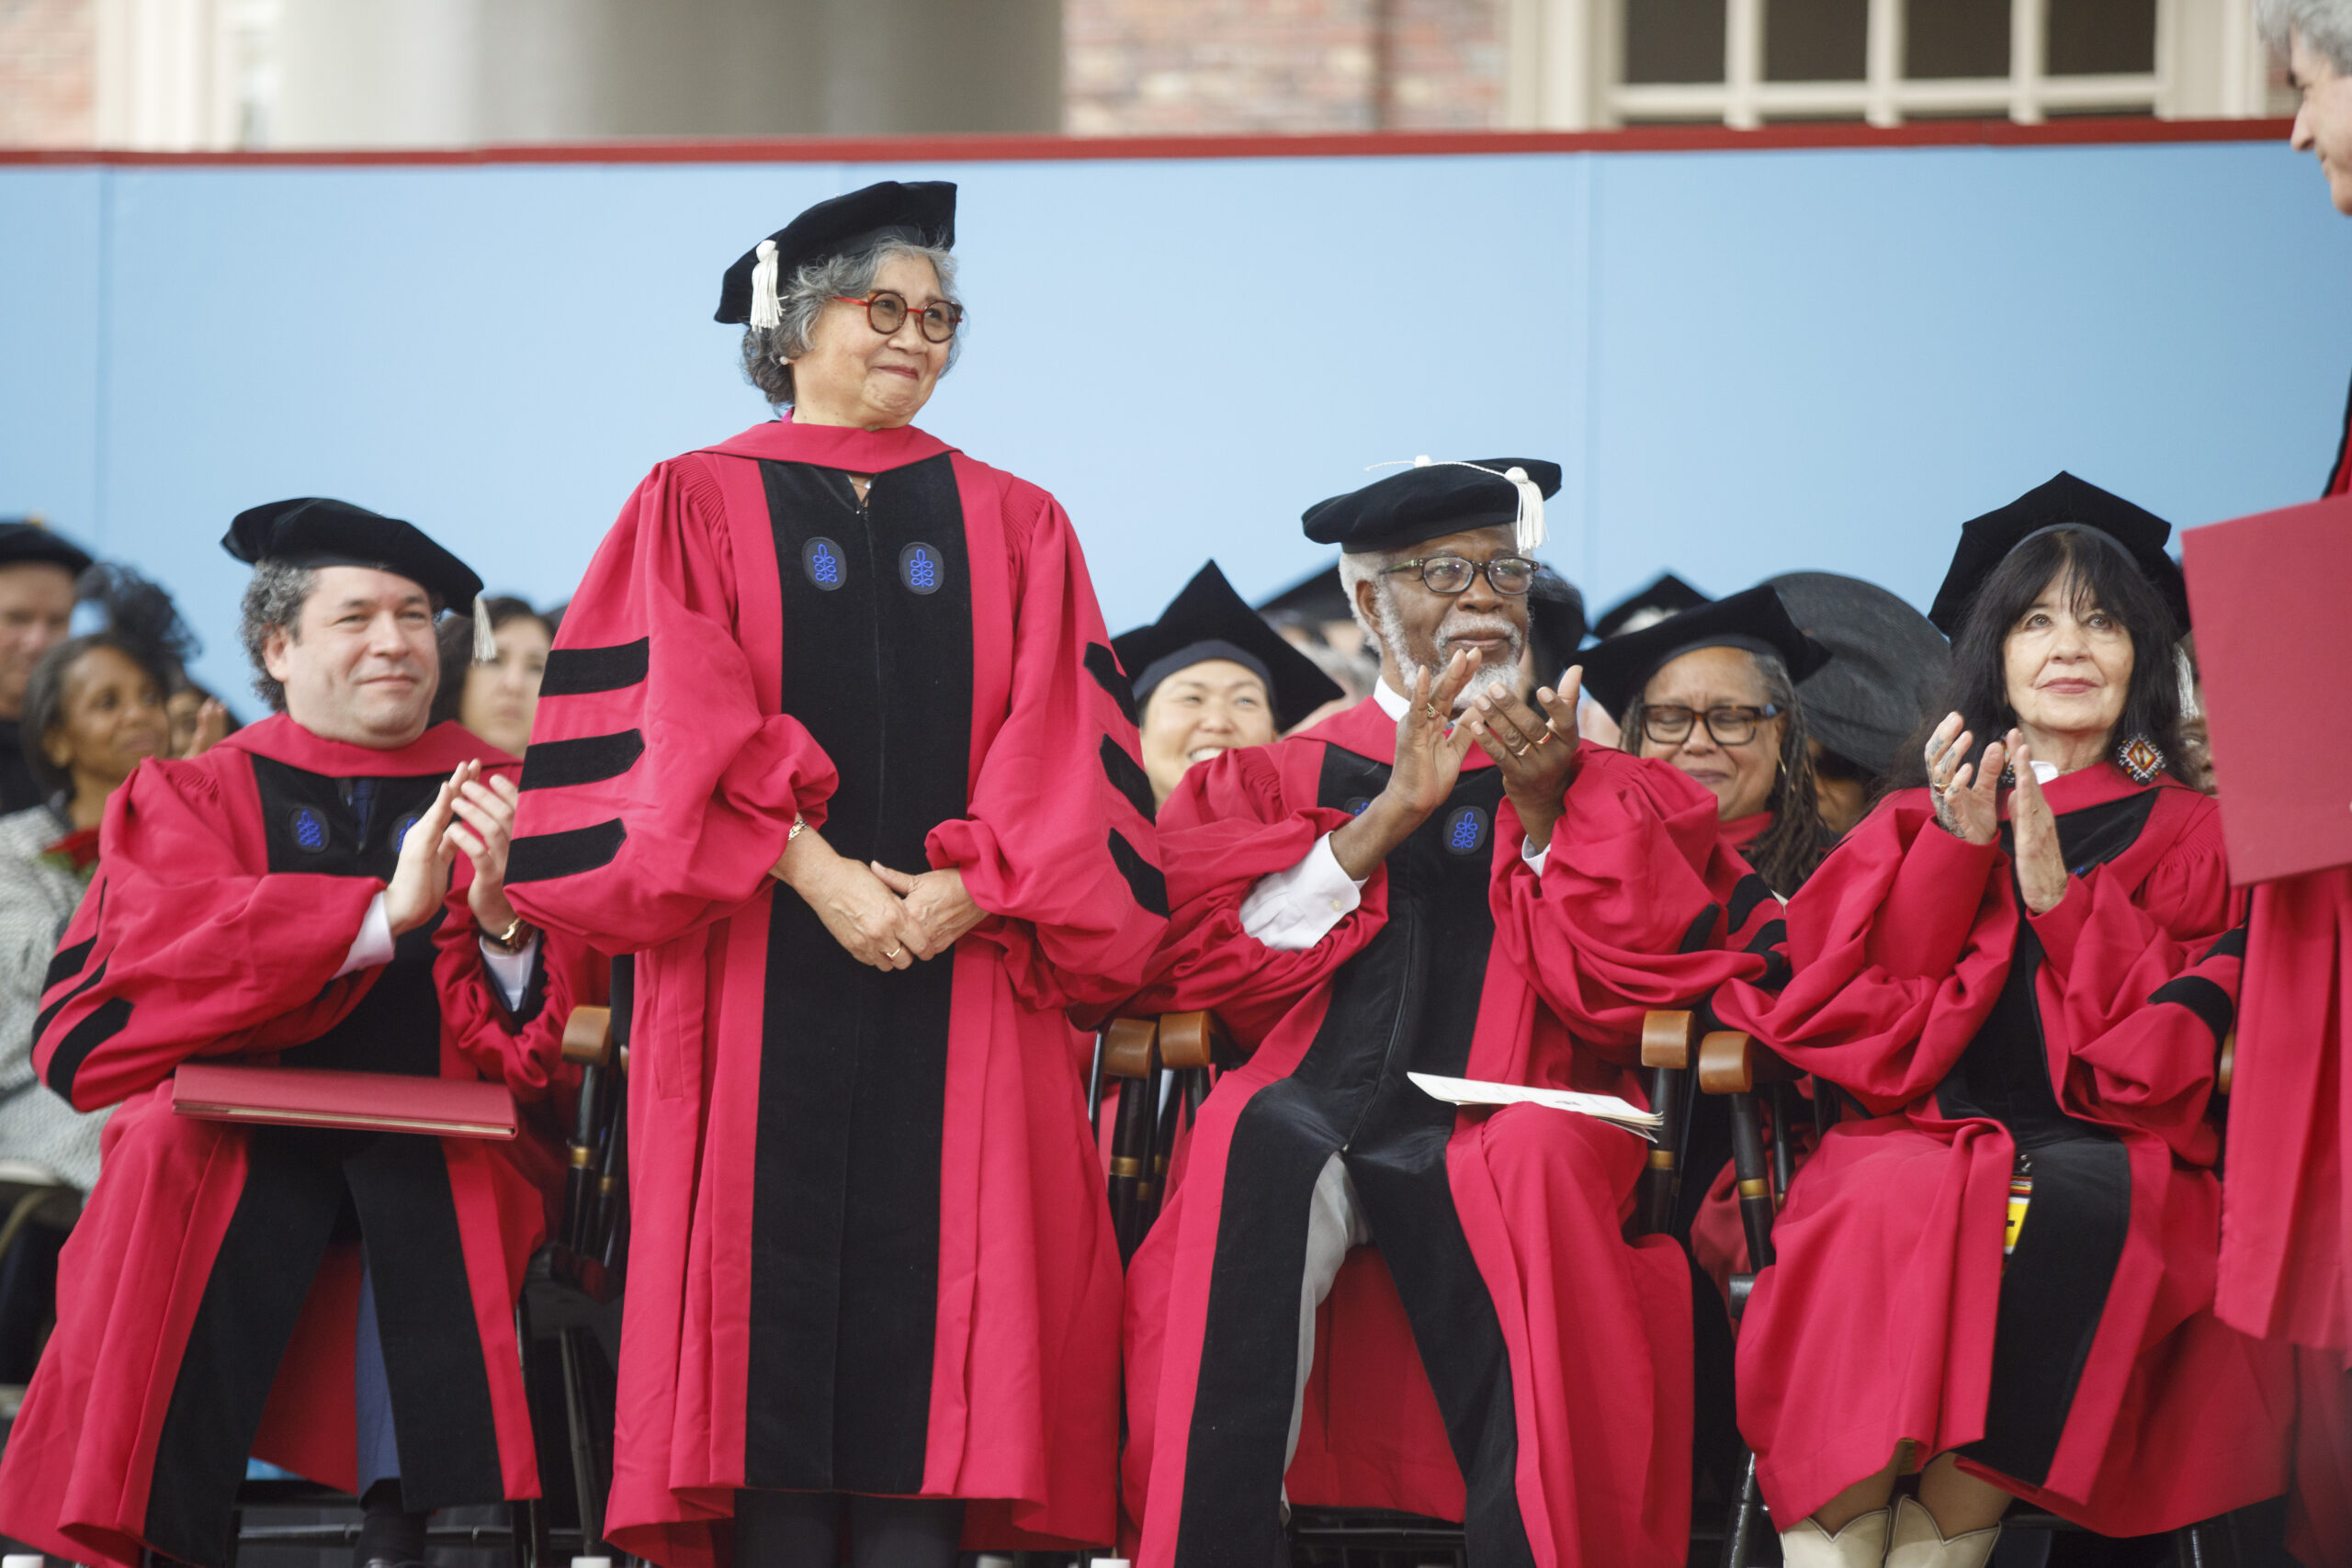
(2088, 1375)
(207, 1299)
(869, 1250)
(1557, 1353)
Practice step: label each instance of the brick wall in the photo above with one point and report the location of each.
(48, 72)
(1191, 67)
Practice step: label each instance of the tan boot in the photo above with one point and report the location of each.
(1919, 1543)
(1861, 1544)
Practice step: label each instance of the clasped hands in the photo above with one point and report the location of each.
(881, 916)
(1968, 806)
(472, 813)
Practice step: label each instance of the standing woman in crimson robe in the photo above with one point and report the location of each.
(833, 739)
(2023, 968)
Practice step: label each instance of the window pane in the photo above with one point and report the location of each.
(1674, 40)
(1815, 40)
(1955, 37)
(2101, 38)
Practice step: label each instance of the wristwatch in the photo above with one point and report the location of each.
(514, 938)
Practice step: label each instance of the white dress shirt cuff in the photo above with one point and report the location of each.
(1533, 856)
(510, 971)
(373, 946)
(1292, 910)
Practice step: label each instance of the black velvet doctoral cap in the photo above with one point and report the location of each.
(1616, 670)
(1986, 541)
(1888, 665)
(1209, 620)
(313, 531)
(22, 540)
(922, 212)
(1416, 503)
(1670, 595)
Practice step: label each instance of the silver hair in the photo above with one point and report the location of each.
(2324, 25)
(273, 599)
(805, 296)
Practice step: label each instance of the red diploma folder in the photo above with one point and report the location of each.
(321, 1097)
(2271, 596)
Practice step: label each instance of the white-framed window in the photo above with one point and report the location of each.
(1578, 63)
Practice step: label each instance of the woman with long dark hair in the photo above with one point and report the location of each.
(2022, 966)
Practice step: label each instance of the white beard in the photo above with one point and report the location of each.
(1500, 678)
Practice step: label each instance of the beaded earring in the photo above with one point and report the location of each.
(2140, 758)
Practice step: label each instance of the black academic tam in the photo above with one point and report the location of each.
(1426, 502)
(1209, 620)
(1616, 670)
(316, 530)
(922, 212)
(1670, 595)
(24, 541)
(1986, 541)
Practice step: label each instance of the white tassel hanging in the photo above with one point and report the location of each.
(485, 640)
(1529, 521)
(767, 310)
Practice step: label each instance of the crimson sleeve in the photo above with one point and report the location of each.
(1633, 905)
(1228, 824)
(658, 793)
(1897, 947)
(1058, 843)
(181, 950)
(2136, 995)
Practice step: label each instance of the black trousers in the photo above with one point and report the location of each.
(802, 1529)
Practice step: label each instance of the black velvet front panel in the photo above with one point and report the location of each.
(2055, 1287)
(1408, 1002)
(878, 665)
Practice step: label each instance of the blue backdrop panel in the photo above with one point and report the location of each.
(1748, 361)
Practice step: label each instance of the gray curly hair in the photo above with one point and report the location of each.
(2324, 25)
(805, 296)
(273, 599)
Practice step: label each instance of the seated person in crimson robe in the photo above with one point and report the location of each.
(2027, 987)
(322, 889)
(832, 739)
(1211, 675)
(1372, 896)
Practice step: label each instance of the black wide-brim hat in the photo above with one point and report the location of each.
(1209, 620)
(1986, 541)
(24, 542)
(314, 531)
(1888, 665)
(1616, 670)
(921, 212)
(1427, 501)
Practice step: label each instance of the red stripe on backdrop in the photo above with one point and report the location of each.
(2121, 130)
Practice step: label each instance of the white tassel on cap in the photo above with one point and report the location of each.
(485, 640)
(767, 310)
(1528, 524)
(1529, 521)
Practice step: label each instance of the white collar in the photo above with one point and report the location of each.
(1392, 703)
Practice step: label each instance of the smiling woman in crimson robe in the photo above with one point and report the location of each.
(832, 738)
(2022, 967)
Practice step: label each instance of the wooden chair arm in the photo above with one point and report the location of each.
(588, 1036)
(1128, 1047)
(1667, 1039)
(1731, 1062)
(1193, 1040)
(2226, 1069)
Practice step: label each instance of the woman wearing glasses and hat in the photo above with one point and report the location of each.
(832, 738)
(2022, 967)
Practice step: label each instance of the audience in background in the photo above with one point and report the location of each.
(37, 573)
(495, 700)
